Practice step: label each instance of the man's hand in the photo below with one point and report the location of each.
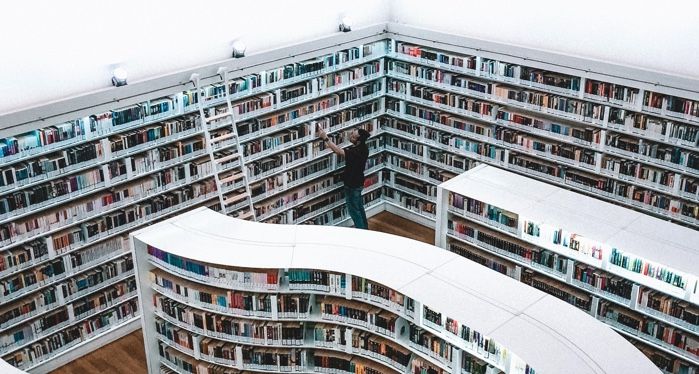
(321, 133)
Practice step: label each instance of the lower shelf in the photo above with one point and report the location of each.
(87, 347)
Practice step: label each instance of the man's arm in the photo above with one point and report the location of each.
(321, 134)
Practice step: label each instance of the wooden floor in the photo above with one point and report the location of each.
(396, 225)
(123, 356)
(127, 356)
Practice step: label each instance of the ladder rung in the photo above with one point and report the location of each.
(227, 158)
(218, 116)
(235, 198)
(231, 178)
(223, 137)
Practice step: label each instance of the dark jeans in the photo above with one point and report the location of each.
(355, 207)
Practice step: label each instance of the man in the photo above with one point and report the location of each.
(355, 162)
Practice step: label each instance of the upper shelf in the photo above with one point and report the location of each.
(512, 313)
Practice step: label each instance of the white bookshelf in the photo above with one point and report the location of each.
(235, 148)
(594, 224)
(215, 171)
(505, 312)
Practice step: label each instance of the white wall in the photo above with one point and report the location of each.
(55, 49)
(661, 36)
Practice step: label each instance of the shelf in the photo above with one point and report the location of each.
(86, 340)
(551, 207)
(242, 200)
(648, 339)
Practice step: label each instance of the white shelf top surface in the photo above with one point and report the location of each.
(632, 232)
(6, 368)
(545, 332)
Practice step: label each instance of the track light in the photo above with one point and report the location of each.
(238, 49)
(119, 77)
(345, 24)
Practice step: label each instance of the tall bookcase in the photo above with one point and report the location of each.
(306, 299)
(616, 140)
(240, 142)
(77, 176)
(634, 272)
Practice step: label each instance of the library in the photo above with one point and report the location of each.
(161, 206)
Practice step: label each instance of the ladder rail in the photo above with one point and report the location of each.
(207, 137)
(239, 149)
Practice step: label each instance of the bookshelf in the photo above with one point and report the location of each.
(238, 143)
(360, 305)
(76, 177)
(616, 142)
(602, 258)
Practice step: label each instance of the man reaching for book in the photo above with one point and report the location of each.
(353, 176)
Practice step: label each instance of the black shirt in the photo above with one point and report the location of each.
(355, 162)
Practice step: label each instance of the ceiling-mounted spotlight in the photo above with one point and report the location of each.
(119, 77)
(238, 49)
(345, 24)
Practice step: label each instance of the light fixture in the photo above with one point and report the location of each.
(238, 49)
(345, 24)
(119, 77)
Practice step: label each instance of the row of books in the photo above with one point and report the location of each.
(602, 280)
(96, 252)
(647, 268)
(599, 113)
(234, 300)
(672, 103)
(554, 81)
(410, 202)
(33, 330)
(64, 339)
(42, 137)
(217, 274)
(96, 205)
(42, 194)
(302, 193)
(641, 171)
(599, 279)
(595, 277)
(571, 152)
(656, 128)
(669, 305)
(651, 328)
(32, 278)
(153, 132)
(366, 286)
(369, 342)
(499, 265)
(433, 343)
(560, 290)
(41, 301)
(480, 208)
(104, 299)
(96, 276)
(259, 332)
(50, 165)
(654, 151)
(23, 255)
(611, 91)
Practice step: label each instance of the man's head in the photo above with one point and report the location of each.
(358, 136)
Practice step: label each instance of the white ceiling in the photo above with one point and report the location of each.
(52, 50)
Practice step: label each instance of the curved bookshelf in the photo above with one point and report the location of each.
(602, 258)
(219, 292)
